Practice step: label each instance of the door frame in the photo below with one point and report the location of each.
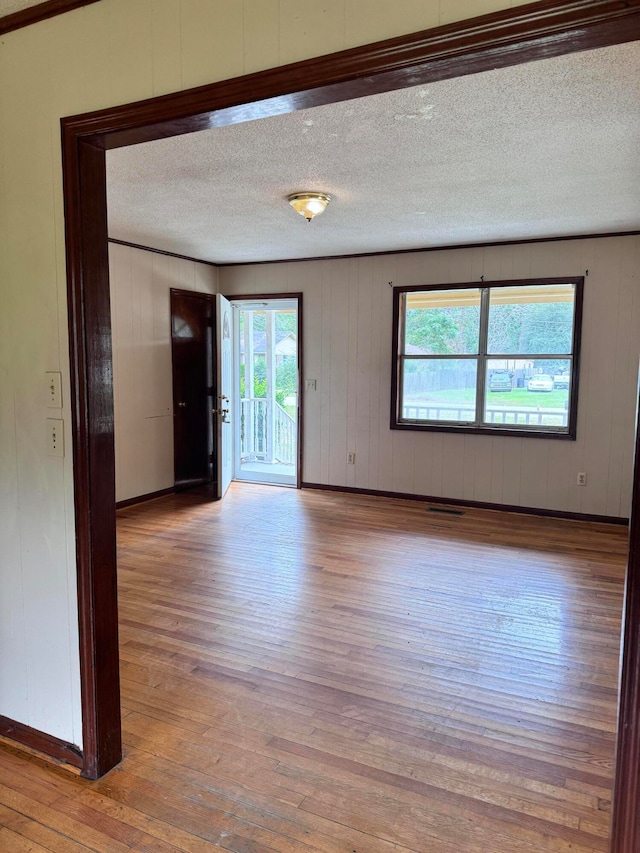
(208, 297)
(253, 297)
(511, 37)
(224, 474)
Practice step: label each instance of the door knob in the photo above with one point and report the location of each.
(223, 414)
(182, 405)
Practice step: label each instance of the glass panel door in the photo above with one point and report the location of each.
(266, 440)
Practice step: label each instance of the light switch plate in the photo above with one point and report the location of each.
(55, 437)
(54, 390)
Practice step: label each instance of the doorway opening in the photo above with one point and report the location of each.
(450, 51)
(267, 391)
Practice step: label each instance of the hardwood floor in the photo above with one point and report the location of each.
(313, 671)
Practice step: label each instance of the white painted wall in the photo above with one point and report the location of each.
(108, 53)
(142, 381)
(347, 349)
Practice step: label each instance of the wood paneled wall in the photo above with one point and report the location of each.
(348, 333)
(142, 382)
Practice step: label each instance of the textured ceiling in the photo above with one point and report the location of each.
(546, 149)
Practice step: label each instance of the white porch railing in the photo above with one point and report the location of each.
(260, 444)
(286, 438)
(494, 414)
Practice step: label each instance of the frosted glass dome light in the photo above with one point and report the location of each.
(309, 204)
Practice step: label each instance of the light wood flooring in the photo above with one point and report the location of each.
(312, 671)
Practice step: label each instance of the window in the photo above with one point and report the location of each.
(499, 357)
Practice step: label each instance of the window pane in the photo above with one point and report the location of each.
(527, 392)
(531, 319)
(439, 322)
(442, 389)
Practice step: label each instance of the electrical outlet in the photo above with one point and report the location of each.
(54, 390)
(351, 458)
(55, 437)
(310, 384)
(582, 479)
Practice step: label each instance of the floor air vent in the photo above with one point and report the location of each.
(446, 511)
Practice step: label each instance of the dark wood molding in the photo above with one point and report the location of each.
(422, 249)
(501, 282)
(493, 432)
(395, 361)
(511, 37)
(301, 390)
(141, 499)
(260, 297)
(197, 294)
(455, 502)
(39, 12)
(576, 344)
(253, 297)
(161, 252)
(381, 254)
(433, 426)
(34, 739)
(625, 828)
(93, 450)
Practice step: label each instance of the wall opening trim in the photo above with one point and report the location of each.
(522, 34)
(39, 12)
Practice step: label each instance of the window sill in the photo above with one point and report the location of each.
(492, 431)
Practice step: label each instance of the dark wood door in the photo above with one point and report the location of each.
(192, 351)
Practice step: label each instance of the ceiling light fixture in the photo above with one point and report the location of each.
(309, 204)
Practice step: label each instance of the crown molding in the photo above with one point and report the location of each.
(39, 12)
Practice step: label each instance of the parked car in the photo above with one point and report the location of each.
(541, 382)
(561, 380)
(500, 380)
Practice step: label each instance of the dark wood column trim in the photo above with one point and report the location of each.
(625, 829)
(93, 450)
(39, 12)
(522, 34)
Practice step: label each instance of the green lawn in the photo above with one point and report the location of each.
(517, 397)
